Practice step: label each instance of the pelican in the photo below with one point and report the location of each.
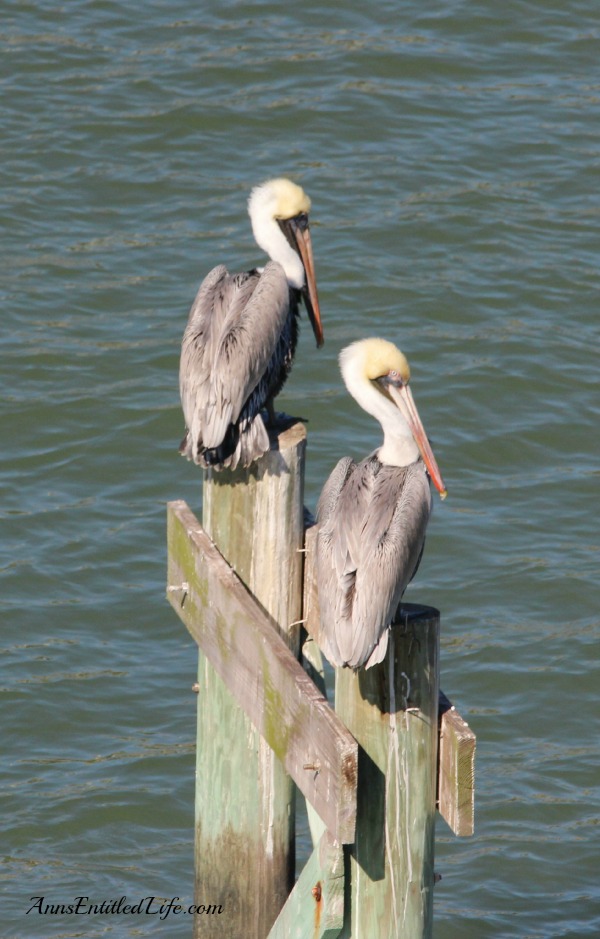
(241, 335)
(372, 515)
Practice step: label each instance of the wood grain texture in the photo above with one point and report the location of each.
(245, 800)
(315, 907)
(311, 611)
(261, 674)
(392, 710)
(456, 772)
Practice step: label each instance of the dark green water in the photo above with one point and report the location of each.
(452, 154)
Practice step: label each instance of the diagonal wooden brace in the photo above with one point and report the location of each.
(242, 644)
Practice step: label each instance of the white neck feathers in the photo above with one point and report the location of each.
(399, 447)
(269, 236)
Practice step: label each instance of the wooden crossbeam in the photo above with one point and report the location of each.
(315, 907)
(456, 770)
(241, 642)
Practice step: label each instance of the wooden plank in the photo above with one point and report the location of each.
(315, 907)
(456, 770)
(392, 710)
(312, 663)
(310, 607)
(261, 673)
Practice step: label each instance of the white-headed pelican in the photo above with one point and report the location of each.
(239, 343)
(372, 516)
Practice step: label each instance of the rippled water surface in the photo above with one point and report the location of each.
(451, 151)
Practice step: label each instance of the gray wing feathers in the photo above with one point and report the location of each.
(198, 348)
(232, 331)
(331, 517)
(393, 537)
(253, 440)
(369, 544)
(245, 348)
(340, 516)
(330, 557)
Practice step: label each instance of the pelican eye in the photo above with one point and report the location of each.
(395, 378)
(301, 221)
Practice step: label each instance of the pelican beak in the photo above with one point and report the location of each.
(309, 291)
(402, 397)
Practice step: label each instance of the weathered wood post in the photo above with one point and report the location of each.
(368, 770)
(392, 711)
(245, 815)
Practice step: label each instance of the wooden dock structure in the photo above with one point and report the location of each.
(372, 770)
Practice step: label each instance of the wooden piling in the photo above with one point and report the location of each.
(368, 769)
(392, 711)
(245, 816)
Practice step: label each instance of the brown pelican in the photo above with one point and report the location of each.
(242, 330)
(372, 516)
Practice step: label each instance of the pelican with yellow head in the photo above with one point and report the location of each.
(373, 515)
(240, 339)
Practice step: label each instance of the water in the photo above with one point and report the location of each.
(451, 154)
